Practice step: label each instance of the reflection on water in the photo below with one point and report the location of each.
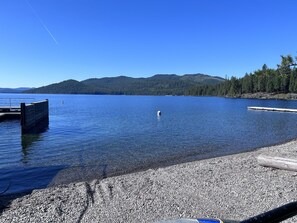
(34, 135)
(27, 141)
(24, 176)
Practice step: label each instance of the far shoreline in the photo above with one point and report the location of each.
(257, 95)
(267, 96)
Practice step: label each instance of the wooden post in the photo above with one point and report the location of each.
(278, 162)
(23, 116)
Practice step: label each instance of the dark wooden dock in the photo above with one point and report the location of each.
(9, 115)
(32, 116)
(10, 112)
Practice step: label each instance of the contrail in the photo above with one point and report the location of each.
(41, 22)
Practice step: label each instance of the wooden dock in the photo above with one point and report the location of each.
(273, 109)
(32, 116)
(9, 115)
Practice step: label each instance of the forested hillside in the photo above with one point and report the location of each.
(283, 79)
(161, 84)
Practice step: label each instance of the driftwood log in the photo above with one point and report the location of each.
(278, 162)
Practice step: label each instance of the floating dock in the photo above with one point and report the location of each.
(273, 109)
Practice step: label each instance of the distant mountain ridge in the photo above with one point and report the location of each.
(14, 90)
(160, 84)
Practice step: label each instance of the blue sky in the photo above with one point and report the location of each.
(48, 41)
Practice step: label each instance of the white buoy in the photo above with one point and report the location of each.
(158, 113)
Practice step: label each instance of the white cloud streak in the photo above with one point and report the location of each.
(41, 22)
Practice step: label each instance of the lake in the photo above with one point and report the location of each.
(96, 136)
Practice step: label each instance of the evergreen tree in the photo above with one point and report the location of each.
(247, 84)
(280, 80)
(292, 82)
(286, 63)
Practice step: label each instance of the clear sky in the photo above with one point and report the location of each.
(48, 41)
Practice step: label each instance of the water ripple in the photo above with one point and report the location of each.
(123, 133)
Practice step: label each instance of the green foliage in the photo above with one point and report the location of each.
(166, 84)
(280, 80)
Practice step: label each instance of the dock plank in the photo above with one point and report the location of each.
(9, 115)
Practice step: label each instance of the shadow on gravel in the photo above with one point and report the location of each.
(5, 200)
(80, 173)
(18, 182)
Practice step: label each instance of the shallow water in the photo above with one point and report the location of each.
(97, 136)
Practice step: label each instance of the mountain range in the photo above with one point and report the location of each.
(160, 84)
(14, 90)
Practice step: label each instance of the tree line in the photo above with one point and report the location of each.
(283, 79)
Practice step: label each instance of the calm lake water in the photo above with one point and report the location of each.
(94, 136)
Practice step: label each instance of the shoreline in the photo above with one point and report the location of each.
(164, 163)
(229, 187)
(268, 96)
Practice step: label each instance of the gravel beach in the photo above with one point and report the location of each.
(232, 187)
